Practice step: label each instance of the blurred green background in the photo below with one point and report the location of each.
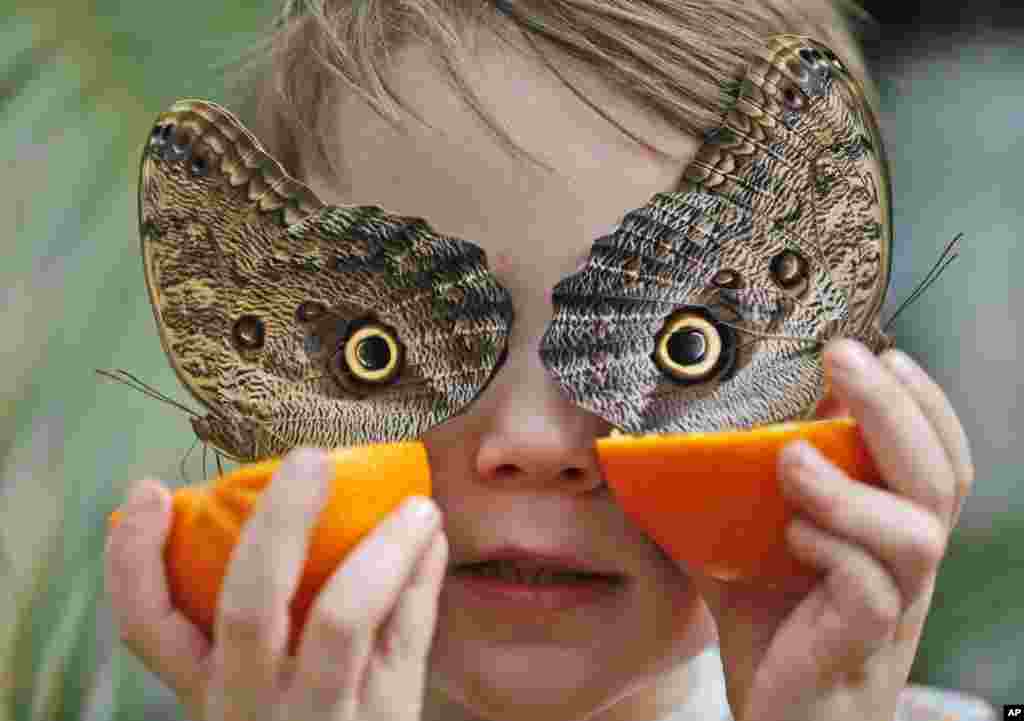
(80, 82)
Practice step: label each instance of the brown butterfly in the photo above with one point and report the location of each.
(708, 308)
(294, 322)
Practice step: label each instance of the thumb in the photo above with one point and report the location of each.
(166, 642)
(135, 543)
(740, 640)
(747, 614)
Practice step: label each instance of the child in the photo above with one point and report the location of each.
(397, 634)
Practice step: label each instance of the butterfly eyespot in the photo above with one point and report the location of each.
(308, 311)
(159, 135)
(199, 166)
(792, 98)
(692, 347)
(248, 333)
(373, 354)
(727, 278)
(789, 270)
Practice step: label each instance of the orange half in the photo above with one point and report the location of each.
(369, 482)
(713, 501)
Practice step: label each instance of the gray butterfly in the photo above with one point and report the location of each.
(708, 308)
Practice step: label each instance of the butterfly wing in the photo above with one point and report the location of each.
(296, 323)
(707, 308)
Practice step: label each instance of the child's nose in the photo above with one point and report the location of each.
(536, 438)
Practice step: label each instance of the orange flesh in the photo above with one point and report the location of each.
(712, 500)
(369, 482)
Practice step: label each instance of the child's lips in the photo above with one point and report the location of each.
(536, 591)
(557, 560)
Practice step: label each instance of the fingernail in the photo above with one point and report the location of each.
(420, 509)
(902, 365)
(797, 454)
(851, 356)
(313, 464)
(144, 496)
(309, 463)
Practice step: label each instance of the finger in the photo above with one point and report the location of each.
(344, 619)
(830, 405)
(400, 659)
(936, 407)
(855, 609)
(409, 629)
(252, 623)
(908, 540)
(153, 629)
(906, 449)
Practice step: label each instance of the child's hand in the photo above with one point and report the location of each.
(842, 646)
(364, 648)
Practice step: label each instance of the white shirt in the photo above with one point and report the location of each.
(708, 699)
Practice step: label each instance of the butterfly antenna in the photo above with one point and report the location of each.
(217, 455)
(181, 463)
(951, 253)
(123, 376)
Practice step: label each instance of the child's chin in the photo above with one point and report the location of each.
(512, 681)
(513, 697)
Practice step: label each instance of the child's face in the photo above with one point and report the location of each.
(518, 468)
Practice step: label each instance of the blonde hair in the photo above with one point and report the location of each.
(673, 56)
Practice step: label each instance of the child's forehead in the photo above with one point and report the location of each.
(466, 183)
